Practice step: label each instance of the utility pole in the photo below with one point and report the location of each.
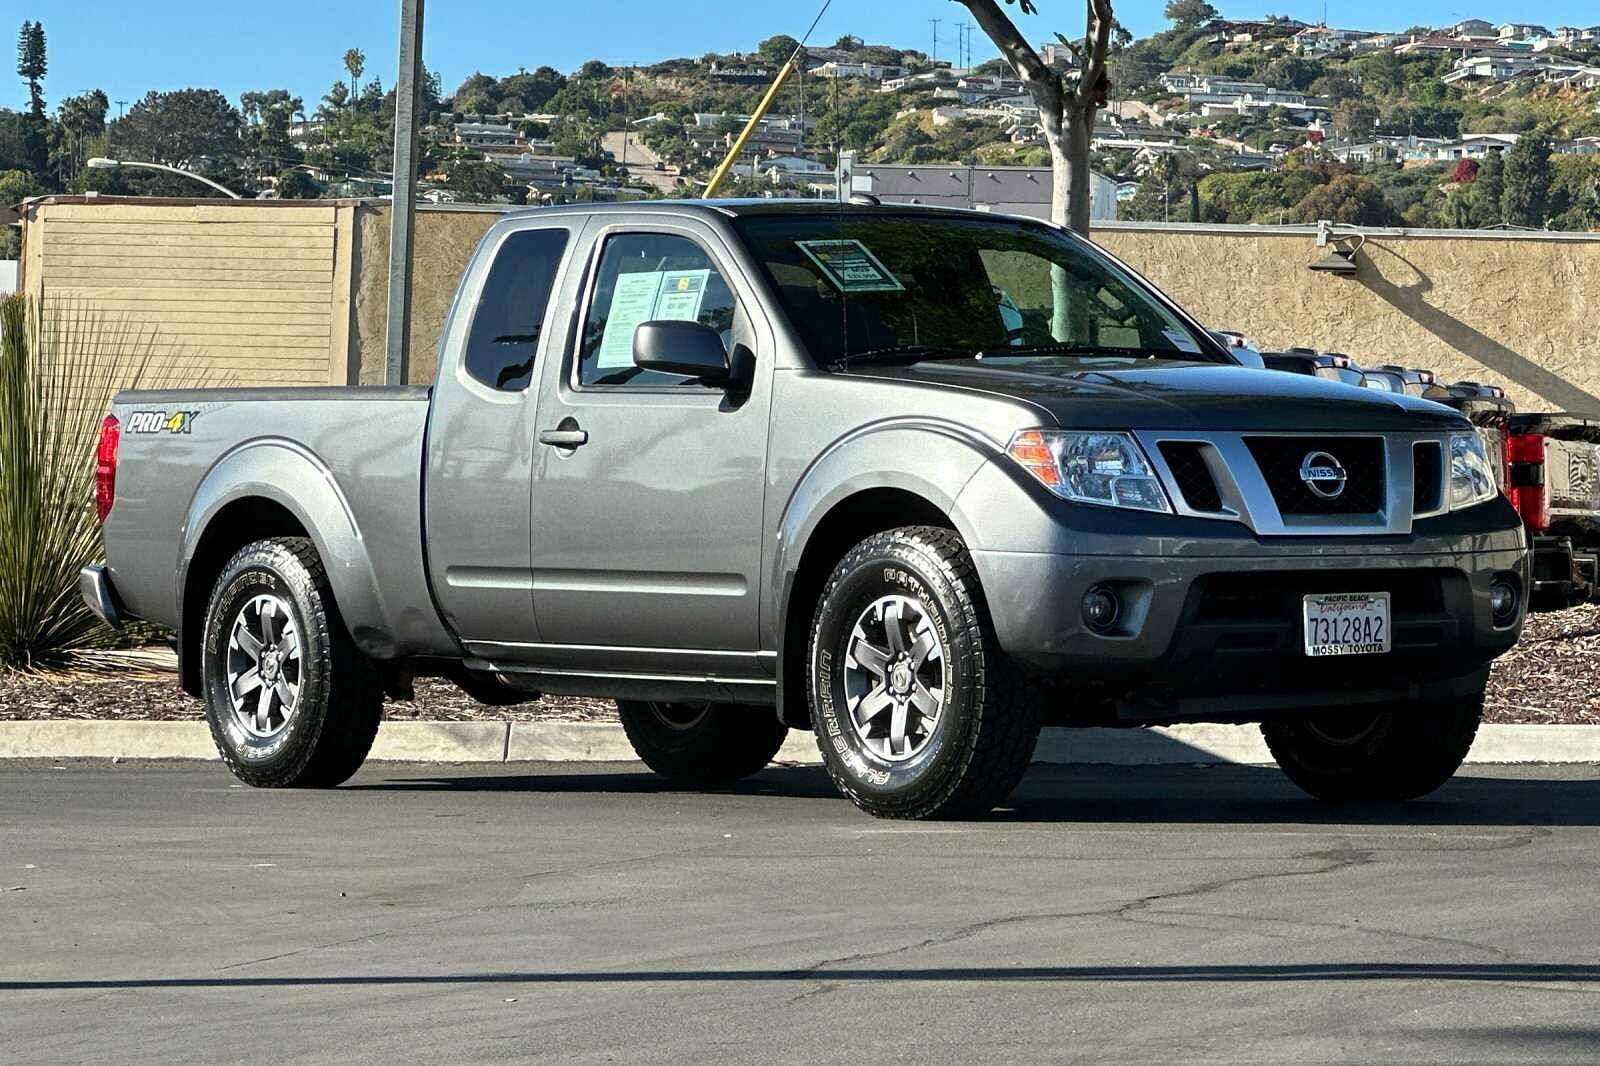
(403, 204)
(935, 54)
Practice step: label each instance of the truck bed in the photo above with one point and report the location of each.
(346, 462)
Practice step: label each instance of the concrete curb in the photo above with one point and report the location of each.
(497, 742)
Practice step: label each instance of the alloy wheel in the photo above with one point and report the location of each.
(265, 666)
(894, 677)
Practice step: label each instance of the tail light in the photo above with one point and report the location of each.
(1526, 483)
(105, 466)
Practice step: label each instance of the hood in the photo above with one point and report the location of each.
(1184, 396)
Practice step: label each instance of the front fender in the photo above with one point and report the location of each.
(293, 477)
(931, 459)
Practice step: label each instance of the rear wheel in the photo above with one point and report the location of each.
(702, 743)
(1387, 754)
(918, 712)
(290, 699)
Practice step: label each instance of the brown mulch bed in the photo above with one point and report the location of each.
(159, 699)
(1551, 676)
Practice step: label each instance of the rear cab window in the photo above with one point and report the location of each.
(503, 343)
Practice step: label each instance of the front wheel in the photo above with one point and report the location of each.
(918, 712)
(1390, 754)
(290, 699)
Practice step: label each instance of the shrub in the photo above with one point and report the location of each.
(60, 366)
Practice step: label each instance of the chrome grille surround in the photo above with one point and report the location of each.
(1248, 499)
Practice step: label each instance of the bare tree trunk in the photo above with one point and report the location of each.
(1072, 188)
(1066, 106)
(1070, 185)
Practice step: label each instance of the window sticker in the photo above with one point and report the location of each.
(648, 296)
(850, 266)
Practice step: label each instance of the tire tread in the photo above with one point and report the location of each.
(1007, 726)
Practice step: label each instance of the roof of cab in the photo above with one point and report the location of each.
(738, 208)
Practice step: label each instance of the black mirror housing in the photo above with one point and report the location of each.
(688, 348)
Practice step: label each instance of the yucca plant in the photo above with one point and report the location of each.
(60, 366)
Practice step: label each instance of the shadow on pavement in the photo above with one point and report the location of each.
(1528, 973)
(1486, 796)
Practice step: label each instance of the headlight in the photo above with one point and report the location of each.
(1108, 469)
(1471, 476)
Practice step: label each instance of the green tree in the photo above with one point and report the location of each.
(777, 49)
(32, 65)
(478, 180)
(182, 126)
(1187, 14)
(17, 186)
(535, 89)
(267, 117)
(80, 120)
(1348, 198)
(355, 61)
(1355, 118)
(1525, 200)
(297, 185)
(1484, 204)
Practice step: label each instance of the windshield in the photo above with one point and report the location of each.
(914, 287)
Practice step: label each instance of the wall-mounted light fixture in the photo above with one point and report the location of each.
(1340, 259)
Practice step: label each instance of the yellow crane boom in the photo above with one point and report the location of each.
(750, 127)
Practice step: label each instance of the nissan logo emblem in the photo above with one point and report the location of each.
(1323, 475)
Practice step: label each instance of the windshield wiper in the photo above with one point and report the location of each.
(1088, 349)
(908, 353)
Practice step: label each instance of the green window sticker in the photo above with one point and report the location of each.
(850, 266)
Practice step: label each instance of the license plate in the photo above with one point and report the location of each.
(1347, 623)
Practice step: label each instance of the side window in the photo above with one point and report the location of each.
(647, 277)
(505, 327)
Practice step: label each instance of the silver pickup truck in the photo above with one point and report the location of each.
(918, 480)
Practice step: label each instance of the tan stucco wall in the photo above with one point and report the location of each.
(444, 241)
(1521, 312)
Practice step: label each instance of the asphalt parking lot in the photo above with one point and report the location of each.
(158, 912)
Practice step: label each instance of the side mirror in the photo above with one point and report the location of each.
(686, 348)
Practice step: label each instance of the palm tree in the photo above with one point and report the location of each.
(355, 61)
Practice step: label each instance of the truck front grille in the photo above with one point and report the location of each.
(1277, 596)
(1281, 459)
(1427, 465)
(1186, 460)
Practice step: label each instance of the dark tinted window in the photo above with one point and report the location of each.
(505, 330)
(857, 282)
(648, 277)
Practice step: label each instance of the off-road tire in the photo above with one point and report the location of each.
(707, 744)
(1404, 752)
(341, 693)
(985, 734)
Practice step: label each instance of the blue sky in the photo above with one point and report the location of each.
(235, 45)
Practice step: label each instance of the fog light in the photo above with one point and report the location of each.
(1502, 600)
(1101, 606)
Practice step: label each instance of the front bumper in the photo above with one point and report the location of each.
(1219, 637)
(94, 585)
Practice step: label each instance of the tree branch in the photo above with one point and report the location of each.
(1042, 83)
(1096, 45)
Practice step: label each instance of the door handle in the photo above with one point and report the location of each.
(564, 438)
